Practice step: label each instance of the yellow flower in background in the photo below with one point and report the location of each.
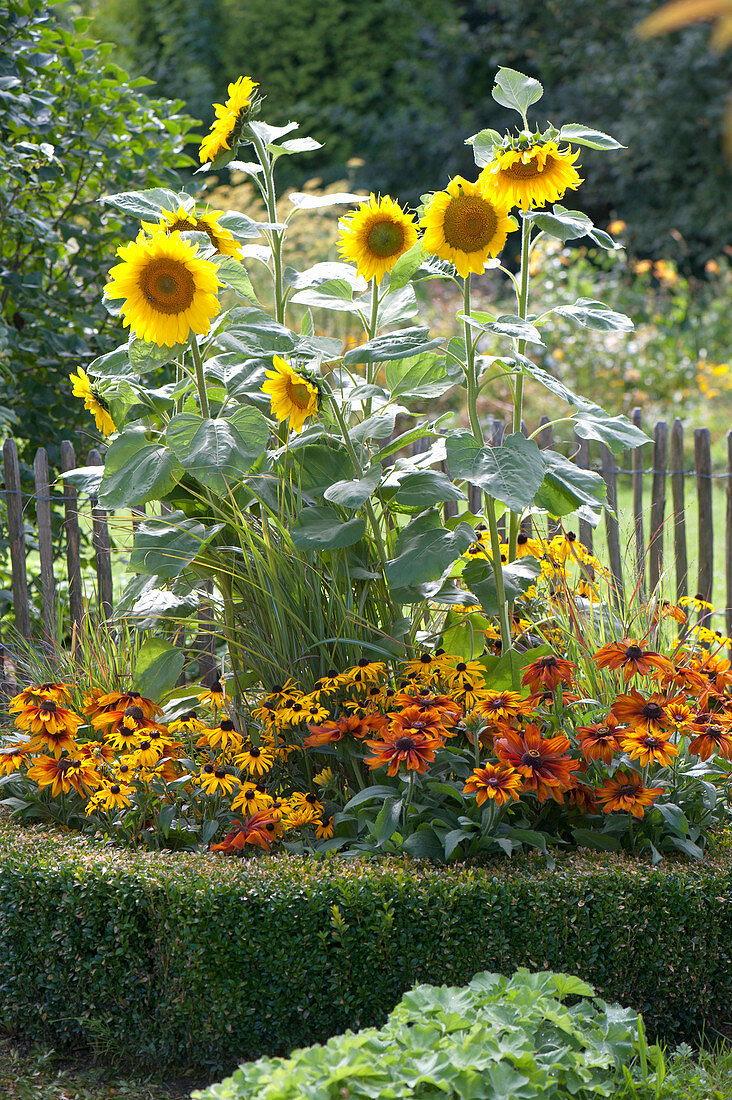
(184, 221)
(291, 395)
(168, 290)
(93, 401)
(255, 760)
(228, 118)
(465, 225)
(533, 176)
(375, 235)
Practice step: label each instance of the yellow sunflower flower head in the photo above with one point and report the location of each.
(531, 175)
(231, 116)
(93, 401)
(292, 396)
(375, 235)
(466, 225)
(168, 290)
(189, 221)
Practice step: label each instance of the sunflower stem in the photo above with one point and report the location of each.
(276, 236)
(490, 504)
(518, 396)
(200, 379)
(370, 334)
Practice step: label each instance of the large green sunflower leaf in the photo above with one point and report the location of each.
(424, 550)
(163, 546)
(567, 487)
(321, 528)
(419, 376)
(517, 577)
(136, 471)
(516, 91)
(218, 451)
(584, 135)
(395, 345)
(511, 473)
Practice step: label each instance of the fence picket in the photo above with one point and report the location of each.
(637, 467)
(45, 542)
(612, 528)
(703, 467)
(73, 537)
(16, 537)
(102, 547)
(677, 497)
(658, 503)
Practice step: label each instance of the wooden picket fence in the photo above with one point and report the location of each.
(667, 467)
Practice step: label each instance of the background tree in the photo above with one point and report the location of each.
(73, 127)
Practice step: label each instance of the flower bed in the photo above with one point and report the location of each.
(199, 962)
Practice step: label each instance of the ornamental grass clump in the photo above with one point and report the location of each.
(404, 672)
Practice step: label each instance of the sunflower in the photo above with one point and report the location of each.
(291, 395)
(533, 176)
(415, 751)
(93, 401)
(183, 221)
(365, 671)
(625, 792)
(375, 235)
(146, 754)
(229, 117)
(465, 225)
(168, 290)
(187, 723)
(112, 796)
(497, 783)
(224, 736)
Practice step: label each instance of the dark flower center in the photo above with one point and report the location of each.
(208, 768)
(311, 798)
(115, 788)
(254, 753)
(404, 744)
(364, 662)
(652, 742)
(219, 773)
(652, 711)
(531, 758)
(548, 662)
(226, 725)
(145, 746)
(135, 713)
(633, 653)
(460, 666)
(627, 790)
(386, 238)
(47, 706)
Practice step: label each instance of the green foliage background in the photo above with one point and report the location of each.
(401, 83)
(73, 127)
(201, 961)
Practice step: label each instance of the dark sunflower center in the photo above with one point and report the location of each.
(63, 765)
(254, 753)
(548, 662)
(182, 225)
(311, 799)
(145, 746)
(404, 744)
(492, 782)
(385, 238)
(250, 795)
(470, 223)
(633, 653)
(226, 725)
(652, 711)
(167, 285)
(47, 706)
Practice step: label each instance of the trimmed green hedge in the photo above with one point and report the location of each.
(203, 961)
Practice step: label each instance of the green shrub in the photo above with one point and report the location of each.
(200, 962)
(495, 1038)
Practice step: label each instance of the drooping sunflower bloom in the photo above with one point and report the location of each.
(457, 675)
(465, 225)
(93, 401)
(495, 782)
(258, 829)
(631, 657)
(533, 176)
(12, 757)
(649, 748)
(292, 396)
(215, 780)
(365, 671)
(415, 751)
(542, 761)
(146, 754)
(187, 723)
(626, 793)
(184, 221)
(229, 119)
(168, 290)
(375, 235)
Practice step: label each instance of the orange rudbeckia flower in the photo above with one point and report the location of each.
(413, 749)
(548, 673)
(647, 714)
(259, 829)
(542, 761)
(495, 782)
(599, 740)
(626, 793)
(630, 656)
(649, 748)
(713, 738)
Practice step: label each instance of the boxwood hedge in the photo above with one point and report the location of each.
(199, 961)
